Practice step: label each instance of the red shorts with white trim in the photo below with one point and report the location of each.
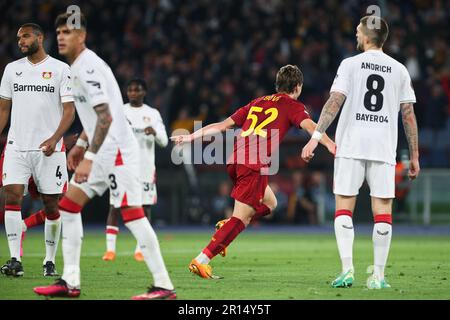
(248, 185)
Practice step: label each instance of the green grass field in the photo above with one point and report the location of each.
(258, 266)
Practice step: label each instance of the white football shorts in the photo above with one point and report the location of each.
(118, 170)
(49, 173)
(349, 175)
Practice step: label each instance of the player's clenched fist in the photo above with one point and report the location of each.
(308, 150)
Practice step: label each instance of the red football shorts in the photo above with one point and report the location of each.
(248, 185)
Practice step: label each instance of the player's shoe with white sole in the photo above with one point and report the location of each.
(202, 270)
(156, 293)
(374, 283)
(344, 280)
(50, 269)
(12, 268)
(58, 289)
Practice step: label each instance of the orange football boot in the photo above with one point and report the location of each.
(202, 270)
(109, 256)
(138, 256)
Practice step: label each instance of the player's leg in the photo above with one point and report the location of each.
(70, 207)
(348, 177)
(38, 217)
(52, 232)
(381, 179)
(50, 175)
(265, 208)
(242, 215)
(2, 205)
(13, 228)
(16, 173)
(268, 204)
(112, 230)
(138, 256)
(127, 195)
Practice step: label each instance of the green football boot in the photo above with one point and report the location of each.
(344, 280)
(374, 283)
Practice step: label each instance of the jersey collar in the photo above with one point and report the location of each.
(40, 62)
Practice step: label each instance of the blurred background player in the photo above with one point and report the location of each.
(264, 120)
(34, 146)
(148, 129)
(374, 87)
(106, 152)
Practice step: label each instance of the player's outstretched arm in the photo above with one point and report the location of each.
(329, 112)
(410, 125)
(5, 109)
(310, 126)
(49, 145)
(210, 129)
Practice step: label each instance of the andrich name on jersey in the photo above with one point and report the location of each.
(375, 67)
(371, 118)
(33, 87)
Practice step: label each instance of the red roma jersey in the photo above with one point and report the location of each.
(264, 122)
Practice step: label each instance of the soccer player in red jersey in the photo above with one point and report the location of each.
(264, 123)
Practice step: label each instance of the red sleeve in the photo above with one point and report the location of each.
(298, 113)
(240, 115)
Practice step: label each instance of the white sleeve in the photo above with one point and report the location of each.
(5, 87)
(341, 81)
(406, 89)
(161, 135)
(65, 87)
(94, 84)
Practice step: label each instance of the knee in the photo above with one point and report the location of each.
(272, 204)
(50, 205)
(13, 197)
(132, 213)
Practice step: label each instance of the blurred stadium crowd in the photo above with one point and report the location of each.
(203, 59)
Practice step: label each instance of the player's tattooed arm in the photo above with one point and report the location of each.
(104, 120)
(330, 110)
(5, 109)
(410, 125)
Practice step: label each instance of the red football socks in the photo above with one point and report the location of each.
(224, 236)
(35, 219)
(261, 211)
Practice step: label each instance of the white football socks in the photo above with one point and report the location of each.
(52, 232)
(72, 237)
(345, 234)
(149, 245)
(138, 249)
(202, 258)
(381, 237)
(13, 228)
(111, 239)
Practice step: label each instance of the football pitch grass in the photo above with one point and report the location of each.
(266, 266)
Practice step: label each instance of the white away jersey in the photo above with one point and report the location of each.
(141, 118)
(93, 84)
(37, 92)
(374, 85)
